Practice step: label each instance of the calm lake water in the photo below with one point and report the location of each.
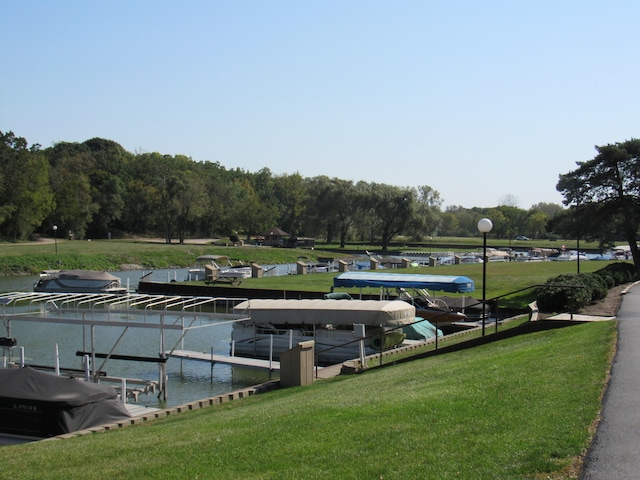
(187, 380)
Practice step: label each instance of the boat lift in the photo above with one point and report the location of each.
(157, 312)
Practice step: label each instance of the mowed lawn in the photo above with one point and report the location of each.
(518, 408)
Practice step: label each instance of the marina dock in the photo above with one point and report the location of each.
(225, 359)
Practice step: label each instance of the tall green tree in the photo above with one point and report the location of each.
(108, 187)
(427, 218)
(290, 193)
(332, 208)
(72, 188)
(25, 195)
(603, 195)
(253, 216)
(509, 222)
(394, 209)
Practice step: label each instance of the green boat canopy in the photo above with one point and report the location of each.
(447, 283)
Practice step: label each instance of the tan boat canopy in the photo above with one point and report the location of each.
(328, 312)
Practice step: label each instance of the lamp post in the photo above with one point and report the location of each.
(484, 226)
(55, 237)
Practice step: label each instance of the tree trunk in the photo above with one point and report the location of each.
(635, 252)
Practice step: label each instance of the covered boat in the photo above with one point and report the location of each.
(446, 283)
(79, 281)
(40, 405)
(274, 326)
(426, 306)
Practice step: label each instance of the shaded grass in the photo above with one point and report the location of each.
(517, 408)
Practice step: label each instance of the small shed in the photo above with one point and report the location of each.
(275, 237)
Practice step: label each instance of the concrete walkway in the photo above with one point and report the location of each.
(615, 452)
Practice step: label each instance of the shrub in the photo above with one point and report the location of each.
(562, 293)
(595, 283)
(621, 272)
(608, 278)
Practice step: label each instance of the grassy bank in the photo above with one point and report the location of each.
(31, 258)
(513, 409)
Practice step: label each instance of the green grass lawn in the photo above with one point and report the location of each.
(502, 278)
(31, 258)
(512, 409)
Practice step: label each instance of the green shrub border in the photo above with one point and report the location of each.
(574, 291)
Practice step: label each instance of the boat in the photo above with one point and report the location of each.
(446, 283)
(37, 405)
(275, 326)
(218, 267)
(433, 309)
(571, 255)
(78, 281)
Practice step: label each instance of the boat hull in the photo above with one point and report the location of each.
(79, 281)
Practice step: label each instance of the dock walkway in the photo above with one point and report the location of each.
(225, 359)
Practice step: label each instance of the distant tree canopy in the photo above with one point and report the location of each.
(603, 195)
(25, 193)
(96, 188)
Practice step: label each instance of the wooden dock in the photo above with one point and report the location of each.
(225, 359)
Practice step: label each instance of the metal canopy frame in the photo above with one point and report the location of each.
(176, 313)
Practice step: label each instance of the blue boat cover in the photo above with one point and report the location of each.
(447, 283)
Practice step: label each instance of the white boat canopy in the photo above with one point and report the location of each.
(328, 312)
(447, 283)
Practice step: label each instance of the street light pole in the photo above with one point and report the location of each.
(484, 226)
(55, 237)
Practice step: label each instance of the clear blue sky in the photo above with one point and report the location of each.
(481, 100)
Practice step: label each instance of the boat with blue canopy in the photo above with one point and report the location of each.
(446, 283)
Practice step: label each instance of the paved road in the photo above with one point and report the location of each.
(615, 452)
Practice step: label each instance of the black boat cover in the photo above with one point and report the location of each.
(39, 404)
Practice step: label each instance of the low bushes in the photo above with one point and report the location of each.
(574, 291)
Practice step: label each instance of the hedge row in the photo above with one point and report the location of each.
(559, 293)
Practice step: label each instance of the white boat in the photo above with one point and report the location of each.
(274, 326)
(79, 281)
(568, 256)
(218, 266)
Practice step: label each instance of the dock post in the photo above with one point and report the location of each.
(163, 365)
(85, 361)
(57, 370)
(123, 390)
(359, 331)
(270, 352)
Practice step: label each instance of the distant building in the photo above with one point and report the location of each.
(275, 237)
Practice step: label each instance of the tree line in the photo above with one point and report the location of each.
(97, 189)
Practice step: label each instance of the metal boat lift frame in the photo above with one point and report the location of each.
(176, 313)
